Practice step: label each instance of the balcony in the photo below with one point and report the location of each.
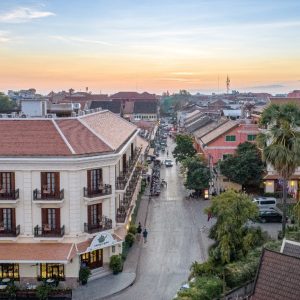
(9, 195)
(121, 215)
(48, 232)
(104, 224)
(9, 232)
(106, 190)
(45, 196)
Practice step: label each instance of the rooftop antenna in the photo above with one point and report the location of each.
(228, 84)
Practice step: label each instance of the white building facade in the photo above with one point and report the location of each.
(67, 191)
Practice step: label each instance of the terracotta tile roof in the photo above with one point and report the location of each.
(133, 96)
(36, 252)
(81, 247)
(218, 131)
(278, 277)
(112, 129)
(284, 100)
(99, 132)
(290, 248)
(75, 133)
(31, 137)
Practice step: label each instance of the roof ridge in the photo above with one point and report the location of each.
(63, 137)
(226, 121)
(96, 134)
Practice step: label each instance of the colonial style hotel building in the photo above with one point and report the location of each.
(67, 189)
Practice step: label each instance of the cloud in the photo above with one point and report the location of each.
(24, 14)
(80, 40)
(4, 37)
(269, 86)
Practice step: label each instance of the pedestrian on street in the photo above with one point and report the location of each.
(167, 152)
(148, 179)
(139, 231)
(145, 234)
(209, 216)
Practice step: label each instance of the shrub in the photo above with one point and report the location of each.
(84, 274)
(205, 269)
(129, 239)
(116, 264)
(43, 291)
(132, 229)
(204, 288)
(125, 250)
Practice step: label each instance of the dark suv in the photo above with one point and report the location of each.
(270, 215)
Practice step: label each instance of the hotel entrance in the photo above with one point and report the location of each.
(93, 259)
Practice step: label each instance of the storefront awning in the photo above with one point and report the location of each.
(37, 252)
(100, 241)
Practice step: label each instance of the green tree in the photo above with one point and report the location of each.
(280, 144)
(5, 103)
(184, 147)
(245, 167)
(232, 211)
(198, 174)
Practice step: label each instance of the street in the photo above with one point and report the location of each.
(177, 238)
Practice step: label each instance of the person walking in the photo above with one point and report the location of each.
(167, 153)
(139, 231)
(145, 234)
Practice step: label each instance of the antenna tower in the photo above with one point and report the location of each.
(228, 84)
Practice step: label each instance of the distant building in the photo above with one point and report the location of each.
(145, 110)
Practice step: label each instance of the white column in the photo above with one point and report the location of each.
(27, 204)
(75, 200)
(112, 206)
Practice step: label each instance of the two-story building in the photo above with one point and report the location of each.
(224, 139)
(67, 190)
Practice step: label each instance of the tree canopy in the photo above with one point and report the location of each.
(184, 147)
(5, 103)
(245, 167)
(232, 211)
(280, 143)
(198, 174)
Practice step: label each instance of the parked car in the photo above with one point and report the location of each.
(168, 163)
(270, 215)
(265, 202)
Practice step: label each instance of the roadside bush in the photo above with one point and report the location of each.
(129, 239)
(204, 288)
(116, 264)
(132, 229)
(43, 291)
(125, 250)
(205, 269)
(84, 274)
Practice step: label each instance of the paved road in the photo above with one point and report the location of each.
(176, 239)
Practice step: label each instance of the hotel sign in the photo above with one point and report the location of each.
(102, 240)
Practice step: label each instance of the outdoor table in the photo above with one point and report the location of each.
(5, 280)
(50, 281)
(3, 287)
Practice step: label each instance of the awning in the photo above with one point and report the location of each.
(100, 241)
(274, 177)
(37, 252)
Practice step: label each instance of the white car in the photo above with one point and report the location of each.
(168, 163)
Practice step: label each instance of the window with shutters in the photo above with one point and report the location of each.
(230, 138)
(6, 182)
(50, 184)
(94, 214)
(7, 219)
(51, 218)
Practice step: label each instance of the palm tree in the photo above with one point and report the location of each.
(280, 143)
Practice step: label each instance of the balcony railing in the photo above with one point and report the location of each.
(124, 176)
(104, 224)
(10, 232)
(48, 232)
(106, 190)
(38, 195)
(121, 215)
(9, 195)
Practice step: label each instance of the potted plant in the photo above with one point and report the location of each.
(43, 291)
(116, 264)
(84, 274)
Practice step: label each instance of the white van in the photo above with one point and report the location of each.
(265, 202)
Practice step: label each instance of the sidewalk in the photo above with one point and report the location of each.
(112, 284)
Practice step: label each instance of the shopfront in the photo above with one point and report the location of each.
(93, 259)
